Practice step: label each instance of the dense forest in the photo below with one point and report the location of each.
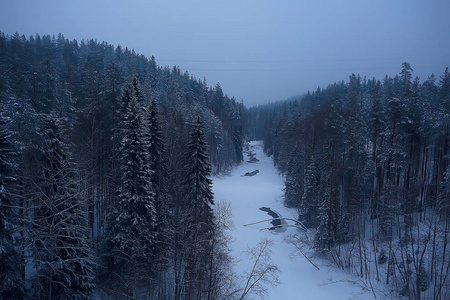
(367, 165)
(105, 159)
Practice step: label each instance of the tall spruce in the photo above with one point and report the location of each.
(132, 230)
(62, 254)
(157, 153)
(159, 181)
(11, 258)
(198, 204)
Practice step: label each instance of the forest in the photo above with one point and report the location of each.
(105, 162)
(367, 164)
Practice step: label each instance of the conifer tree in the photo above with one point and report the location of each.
(157, 155)
(11, 260)
(445, 93)
(198, 205)
(443, 204)
(309, 204)
(62, 255)
(131, 234)
(293, 189)
(159, 181)
(198, 184)
(138, 91)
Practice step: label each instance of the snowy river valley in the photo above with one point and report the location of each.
(298, 278)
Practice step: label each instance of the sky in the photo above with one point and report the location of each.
(259, 50)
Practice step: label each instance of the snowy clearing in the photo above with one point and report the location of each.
(299, 278)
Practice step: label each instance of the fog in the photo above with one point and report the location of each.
(260, 51)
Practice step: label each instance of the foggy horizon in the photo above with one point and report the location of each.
(259, 51)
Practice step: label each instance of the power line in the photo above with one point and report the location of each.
(290, 61)
(347, 69)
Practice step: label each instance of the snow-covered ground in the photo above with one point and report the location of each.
(299, 279)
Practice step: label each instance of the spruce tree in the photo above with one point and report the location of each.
(11, 260)
(198, 185)
(137, 90)
(198, 204)
(309, 205)
(131, 234)
(157, 156)
(62, 255)
(159, 181)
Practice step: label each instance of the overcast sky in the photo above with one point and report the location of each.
(260, 51)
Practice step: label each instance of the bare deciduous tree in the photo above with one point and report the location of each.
(263, 272)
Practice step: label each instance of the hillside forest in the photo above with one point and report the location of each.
(367, 164)
(106, 160)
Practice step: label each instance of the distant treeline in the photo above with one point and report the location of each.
(367, 164)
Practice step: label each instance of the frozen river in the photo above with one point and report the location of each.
(299, 279)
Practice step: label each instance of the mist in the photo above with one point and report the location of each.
(260, 51)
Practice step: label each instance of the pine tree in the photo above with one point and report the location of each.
(157, 156)
(159, 181)
(127, 93)
(131, 235)
(215, 141)
(217, 100)
(137, 90)
(237, 130)
(11, 260)
(444, 193)
(406, 76)
(309, 204)
(293, 188)
(62, 255)
(445, 95)
(375, 129)
(198, 184)
(198, 204)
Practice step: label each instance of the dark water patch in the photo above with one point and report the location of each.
(276, 222)
(252, 173)
(252, 160)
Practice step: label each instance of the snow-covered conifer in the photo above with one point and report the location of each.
(137, 90)
(62, 254)
(197, 205)
(309, 204)
(159, 181)
(157, 154)
(11, 260)
(131, 235)
(197, 182)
